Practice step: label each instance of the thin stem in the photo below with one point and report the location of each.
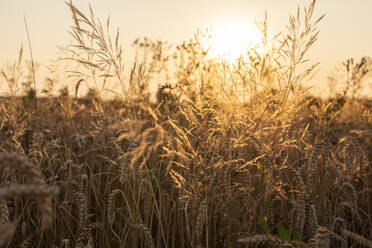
(32, 58)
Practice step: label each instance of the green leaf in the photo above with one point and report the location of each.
(283, 233)
(263, 223)
(153, 177)
(267, 202)
(295, 236)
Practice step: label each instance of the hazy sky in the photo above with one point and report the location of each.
(345, 32)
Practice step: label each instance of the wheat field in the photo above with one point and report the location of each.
(216, 155)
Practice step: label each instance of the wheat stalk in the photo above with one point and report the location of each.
(313, 220)
(200, 221)
(111, 206)
(36, 187)
(301, 207)
(361, 240)
(6, 232)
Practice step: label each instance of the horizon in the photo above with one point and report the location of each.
(342, 32)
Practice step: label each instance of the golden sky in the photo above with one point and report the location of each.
(345, 32)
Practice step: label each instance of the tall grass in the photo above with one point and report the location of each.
(222, 155)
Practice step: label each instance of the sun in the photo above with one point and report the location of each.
(230, 40)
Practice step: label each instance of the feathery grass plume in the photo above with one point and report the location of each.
(149, 134)
(302, 35)
(14, 76)
(219, 147)
(95, 49)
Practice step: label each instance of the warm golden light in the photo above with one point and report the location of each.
(230, 40)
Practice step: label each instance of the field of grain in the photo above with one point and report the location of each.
(218, 155)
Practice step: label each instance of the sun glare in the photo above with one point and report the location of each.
(230, 40)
